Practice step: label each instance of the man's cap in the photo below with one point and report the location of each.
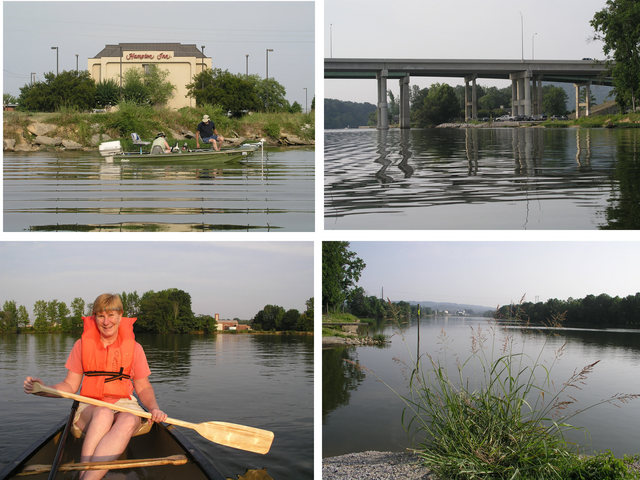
(205, 118)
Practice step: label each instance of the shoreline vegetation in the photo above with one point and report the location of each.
(71, 130)
(166, 312)
(620, 120)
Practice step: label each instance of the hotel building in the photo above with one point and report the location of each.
(182, 62)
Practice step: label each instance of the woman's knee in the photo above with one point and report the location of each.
(128, 422)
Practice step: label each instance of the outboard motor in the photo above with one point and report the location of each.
(109, 149)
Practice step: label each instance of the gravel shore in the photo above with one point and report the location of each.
(375, 466)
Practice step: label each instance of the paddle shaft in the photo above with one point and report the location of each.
(55, 465)
(109, 465)
(229, 434)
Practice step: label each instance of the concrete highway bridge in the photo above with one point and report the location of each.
(526, 79)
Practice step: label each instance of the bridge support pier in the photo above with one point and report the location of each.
(536, 106)
(587, 99)
(470, 105)
(520, 93)
(383, 107)
(405, 118)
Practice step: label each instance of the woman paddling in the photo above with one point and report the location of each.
(113, 365)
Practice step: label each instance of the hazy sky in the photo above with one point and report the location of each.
(496, 273)
(228, 30)
(233, 279)
(456, 29)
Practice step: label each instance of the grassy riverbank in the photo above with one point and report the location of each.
(498, 414)
(89, 129)
(620, 120)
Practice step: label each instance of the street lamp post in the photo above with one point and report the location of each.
(331, 40)
(522, 35)
(267, 83)
(120, 68)
(76, 63)
(532, 39)
(305, 99)
(247, 60)
(268, 50)
(56, 49)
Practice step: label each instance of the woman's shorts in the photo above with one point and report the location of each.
(131, 403)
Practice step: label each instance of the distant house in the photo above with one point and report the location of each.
(227, 325)
(9, 107)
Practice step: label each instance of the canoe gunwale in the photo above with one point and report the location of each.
(195, 456)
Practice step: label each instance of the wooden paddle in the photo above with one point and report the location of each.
(228, 434)
(109, 465)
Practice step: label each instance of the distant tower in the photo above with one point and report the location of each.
(382, 294)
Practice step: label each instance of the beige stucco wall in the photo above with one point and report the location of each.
(181, 70)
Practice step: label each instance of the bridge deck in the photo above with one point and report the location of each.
(573, 71)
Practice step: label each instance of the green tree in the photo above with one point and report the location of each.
(295, 108)
(440, 105)
(554, 100)
(8, 99)
(107, 93)
(167, 311)
(271, 94)
(341, 270)
(9, 319)
(40, 324)
(77, 312)
(160, 90)
(23, 317)
(206, 323)
(234, 93)
(69, 89)
(494, 100)
(618, 26)
(134, 89)
(130, 303)
(269, 318)
(290, 320)
(305, 322)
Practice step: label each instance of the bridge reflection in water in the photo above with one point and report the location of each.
(476, 178)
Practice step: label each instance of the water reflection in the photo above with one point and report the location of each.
(81, 192)
(340, 376)
(481, 178)
(624, 205)
(360, 413)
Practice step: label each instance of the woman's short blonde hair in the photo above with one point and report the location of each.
(108, 302)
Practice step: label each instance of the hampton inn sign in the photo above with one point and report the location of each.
(148, 56)
(182, 62)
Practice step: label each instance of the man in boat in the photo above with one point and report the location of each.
(160, 144)
(206, 130)
(113, 365)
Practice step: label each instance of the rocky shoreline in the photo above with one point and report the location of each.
(354, 341)
(375, 466)
(44, 136)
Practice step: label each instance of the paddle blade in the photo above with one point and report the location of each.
(236, 436)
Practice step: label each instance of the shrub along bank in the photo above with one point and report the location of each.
(70, 129)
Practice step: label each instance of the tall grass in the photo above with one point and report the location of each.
(504, 420)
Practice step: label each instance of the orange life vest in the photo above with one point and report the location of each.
(107, 370)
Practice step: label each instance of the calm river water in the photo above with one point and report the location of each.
(502, 178)
(82, 192)
(360, 413)
(263, 381)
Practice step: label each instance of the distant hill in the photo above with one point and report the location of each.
(340, 114)
(453, 307)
